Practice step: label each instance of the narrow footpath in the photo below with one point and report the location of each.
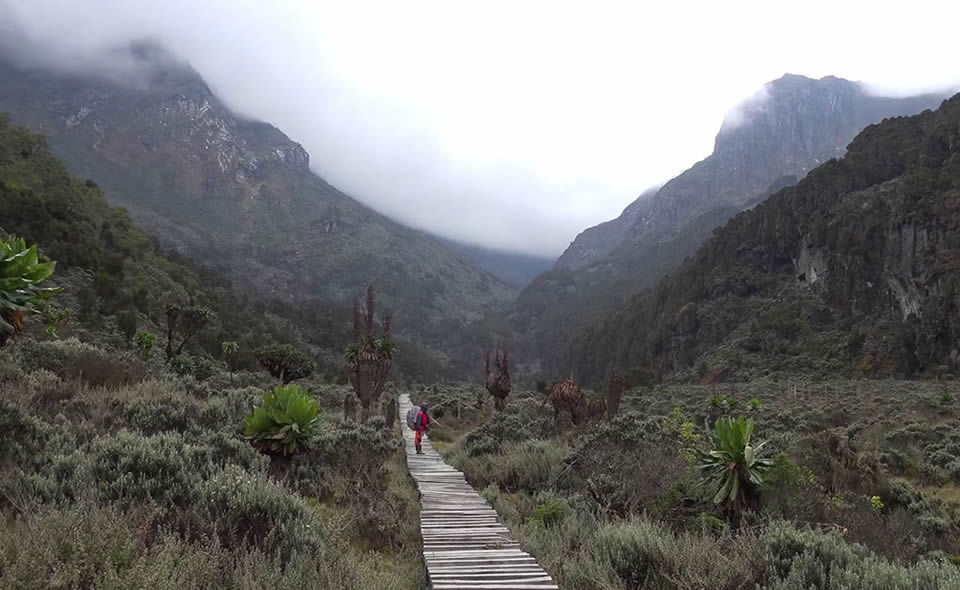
(465, 546)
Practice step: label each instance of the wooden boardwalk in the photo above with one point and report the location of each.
(465, 546)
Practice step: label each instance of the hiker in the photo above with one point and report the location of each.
(420, 425)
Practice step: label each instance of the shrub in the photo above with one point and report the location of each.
(492, 435)
(145, 342)
(813, 559)
(530, 466)
(48, 391)
(199, 367)
(615, 465)
(72, 359)
(104, 548)
(131, 468)
(549, 513)
(284, 423)
(167, 411)
(247, 508)
(75, 548)
(346, 461)
(22, 436)
(638, 553)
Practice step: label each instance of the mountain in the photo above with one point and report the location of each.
(767, 143)
(239, 195)
(792, 126)
(513, 268)
(113, 275)
(854, 269)
(594, 243)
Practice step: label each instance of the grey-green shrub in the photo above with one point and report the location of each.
(72, 359)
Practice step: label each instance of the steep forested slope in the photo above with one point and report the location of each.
(767, 143)
(239, 195)
(855, 268)
(111, 268)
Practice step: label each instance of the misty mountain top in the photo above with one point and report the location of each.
(420, 115)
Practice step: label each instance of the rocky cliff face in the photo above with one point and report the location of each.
(768, 143)
(856, 269)
(792, 126)
(595, 243)
(239, 194)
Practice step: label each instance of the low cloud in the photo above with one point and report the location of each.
(746, 109)
(512, 126)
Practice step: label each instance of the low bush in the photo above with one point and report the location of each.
(615, 465)
(798, 560)
(73, 359)
(638, 553)
(107, 549)
(502, 430)
(346, 461)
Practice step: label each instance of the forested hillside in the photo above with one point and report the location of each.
(239, 196)
(111, 268)
(119, 281)
(766, 143)
(855, 269)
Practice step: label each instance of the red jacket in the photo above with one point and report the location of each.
(422, 420)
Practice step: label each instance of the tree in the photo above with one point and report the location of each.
(230, 349)
(21, 274)
(284, 361)
(616, 384)
(187, 320)
(369, 357)
(127, 323)
(498, 379)
(734, 467)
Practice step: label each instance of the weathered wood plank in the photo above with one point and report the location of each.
(465, 546)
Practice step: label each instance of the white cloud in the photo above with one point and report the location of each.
(511, 125)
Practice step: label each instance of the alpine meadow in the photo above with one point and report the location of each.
(226, 363)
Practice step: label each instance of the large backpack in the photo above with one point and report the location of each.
(412, 417)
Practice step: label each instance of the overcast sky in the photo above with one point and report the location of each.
(515, 124)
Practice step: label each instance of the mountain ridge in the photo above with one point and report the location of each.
(771, 141)
(854, 269)
(239, 195)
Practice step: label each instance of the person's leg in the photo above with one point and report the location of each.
(417, 439)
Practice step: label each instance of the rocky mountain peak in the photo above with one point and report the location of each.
(792, 125)
(794, 122)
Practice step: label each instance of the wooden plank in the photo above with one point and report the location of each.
(465, 545)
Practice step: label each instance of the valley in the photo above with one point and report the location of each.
(208, 353)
